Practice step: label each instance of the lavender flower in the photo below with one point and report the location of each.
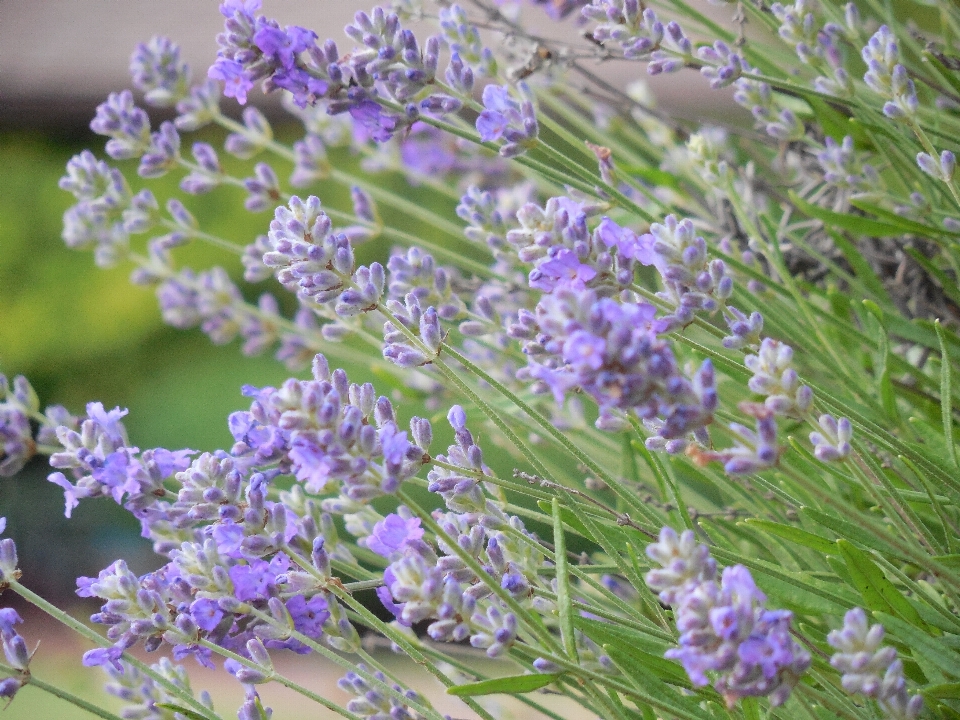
(724, 628)
(263, 189)
(887, 77)
(207, 174)
(14, 649)
(870, 668)
(942, 169)
(143, 693)
(256, 136)
(17, 445)
(635, 29)
(725, 64)
(775, 377)
(833, 442)
(416, 272)
(322, 429)
(505, 117)
(464, 42)
(611, 351)
(127, 126)
(254, 48)
(843, 169)
(200, 107)
(372, 703)
(163, 154)
(158, 72)
(692, 281)
(318, 264)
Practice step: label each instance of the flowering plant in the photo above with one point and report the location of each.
(748, 333)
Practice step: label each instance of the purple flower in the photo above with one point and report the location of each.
(8, 618)
(308, 615)
(392, 533)
(206, 613)
(724, 627)
(109, 422)
(102, 656)
(283, 46)
(626, 241)
(505, 117)
(312, 466)
(374, 122)
(394, 444)
(229, 8)
(871, 668)
(386, 598)
(236, 83)
(253, 581)
(563, 268)
(583, 350)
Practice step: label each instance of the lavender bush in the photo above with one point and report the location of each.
(719, 360)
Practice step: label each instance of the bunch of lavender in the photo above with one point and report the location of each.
(746, 331)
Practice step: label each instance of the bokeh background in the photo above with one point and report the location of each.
(80, 333)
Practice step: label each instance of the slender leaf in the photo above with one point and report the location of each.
(182, 710)
(946, 403)
(564, 603)
(949, 691)
(932, 649)
(513, 685)
(852, 223)
(878, 592)
(793, 534)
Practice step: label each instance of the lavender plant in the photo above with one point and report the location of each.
(681, 346)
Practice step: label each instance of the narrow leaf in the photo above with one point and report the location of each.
(513, 685)
(878, 592)
(564, 603)
(850, 531)
(950, 691)
(793, 534)
(946, 403)
(182, 710)
(932, 649)
(853, 223)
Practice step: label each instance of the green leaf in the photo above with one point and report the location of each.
(878, 592)
(852, 223)
(850, 531)
(793, 534)
(932, 649)
(950, 691)
(751, 710)
(513, 685)
(652, 175)
(951, 561)
(947, 712)
(834, 123)
(945, 396)
(183, 711)
(906, 225)
(568, 518)
(564, 603)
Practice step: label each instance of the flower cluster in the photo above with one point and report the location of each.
(14, 649)
(871, 668)
(724, 627)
